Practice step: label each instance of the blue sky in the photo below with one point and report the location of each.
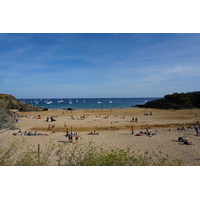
(95, 65)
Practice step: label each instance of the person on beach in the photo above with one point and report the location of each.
(132, 131)
(156, 130)
(70, 137)
(76, 137)
(197, 130)
(67, 133)
(187, 142)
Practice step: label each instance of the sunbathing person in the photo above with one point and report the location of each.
(180, 139)
(187, 142)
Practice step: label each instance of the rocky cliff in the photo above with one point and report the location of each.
(8, 102)
(175, 101)
(160, 104)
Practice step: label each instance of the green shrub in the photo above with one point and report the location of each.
(75, 155)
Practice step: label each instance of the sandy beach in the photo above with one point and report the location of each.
(114, 128)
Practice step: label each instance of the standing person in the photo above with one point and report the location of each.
(136, 120)
(70, 137)
(76, 137)
(67, 133)
(132, 131)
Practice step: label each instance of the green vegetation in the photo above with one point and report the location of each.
(190, 99)
(175, 101)
(24, 154)
(70, 109)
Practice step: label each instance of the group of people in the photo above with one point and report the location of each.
(28, 133)
(93, 133)
(71, 136)
(181, 129)
(147, 113)
(50, 119)
(134, 119)
(15, 119)
(147, 132)
(51, 127)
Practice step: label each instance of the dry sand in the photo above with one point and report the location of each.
(116, 131)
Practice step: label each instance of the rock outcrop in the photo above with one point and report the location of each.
(8, 102)
(175, 101)
(6, 117)
(160, 104)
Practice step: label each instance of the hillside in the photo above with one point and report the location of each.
(175, 101)
(8, 102)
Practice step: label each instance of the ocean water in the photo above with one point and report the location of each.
(88, 103)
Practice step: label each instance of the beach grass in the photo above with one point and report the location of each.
(26, 154)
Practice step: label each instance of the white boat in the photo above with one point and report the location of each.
(60, 101)
(76, 100)
(70, 101)
(36, 101)
(98, 101)
(49, 102)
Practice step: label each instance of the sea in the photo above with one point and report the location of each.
(87, 103)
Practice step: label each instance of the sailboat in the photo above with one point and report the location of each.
(110, 101)
(60, 101)
(76, 100)
(98, 101)
(49, 102)
(36, 101)
(70, 101)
